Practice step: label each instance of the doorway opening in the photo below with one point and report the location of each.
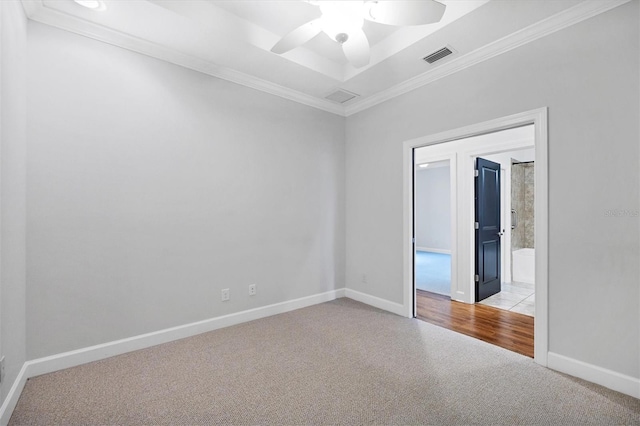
(432, 203)
(508, 145)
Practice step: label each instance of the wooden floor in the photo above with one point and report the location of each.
(509, 330)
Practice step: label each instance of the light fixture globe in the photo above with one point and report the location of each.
(341, 18)
(98, 5)
(342, 37)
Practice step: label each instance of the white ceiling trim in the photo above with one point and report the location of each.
(564, 19)
(276, 89)
(580, 12)
(52, 17)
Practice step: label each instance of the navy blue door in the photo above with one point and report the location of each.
(488, 230)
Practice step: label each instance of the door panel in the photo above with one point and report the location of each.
(488, 228)
(490, 261)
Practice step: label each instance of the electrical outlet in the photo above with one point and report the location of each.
(364, 278)
(2, 370)
(225, 294)
(252, 290)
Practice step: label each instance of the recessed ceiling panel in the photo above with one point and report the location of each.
(232, 39)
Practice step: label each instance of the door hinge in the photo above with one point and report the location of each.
(477, 225)
(477, 277)
(475, 173)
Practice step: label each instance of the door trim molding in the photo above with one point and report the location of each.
(538, 118)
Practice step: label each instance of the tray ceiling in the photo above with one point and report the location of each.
(232, 40)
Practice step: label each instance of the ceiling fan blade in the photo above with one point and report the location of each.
(356, 49)
(405, 12)
(298, 37)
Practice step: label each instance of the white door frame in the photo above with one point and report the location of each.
(464, 224)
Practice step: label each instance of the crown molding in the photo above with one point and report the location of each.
(578, 13)
(274, 89)
(35, 10)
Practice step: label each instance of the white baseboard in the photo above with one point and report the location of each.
(69, 359)
(433, 250)
(376, 302)
(592, 373)
(106, 350)
(74, 358)
(11, 400)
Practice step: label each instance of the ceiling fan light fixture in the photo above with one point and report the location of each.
(341, 18)
(98, 5)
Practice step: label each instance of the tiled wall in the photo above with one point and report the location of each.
(522, 200)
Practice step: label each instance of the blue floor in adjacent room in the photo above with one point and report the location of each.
(433, 272)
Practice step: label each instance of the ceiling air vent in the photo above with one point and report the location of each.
(340, 96)
(438, 54)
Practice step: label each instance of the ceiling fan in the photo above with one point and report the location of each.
(342, 21)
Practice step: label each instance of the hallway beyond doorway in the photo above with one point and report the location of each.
(433, 272)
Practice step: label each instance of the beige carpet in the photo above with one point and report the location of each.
(341, 362)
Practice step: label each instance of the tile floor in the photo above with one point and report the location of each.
(514, 297)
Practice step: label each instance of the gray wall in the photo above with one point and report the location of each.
(152, 187)
(13, 56)
(588, 76)
(433, 208)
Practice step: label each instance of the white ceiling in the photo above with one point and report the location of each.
(232, 40)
